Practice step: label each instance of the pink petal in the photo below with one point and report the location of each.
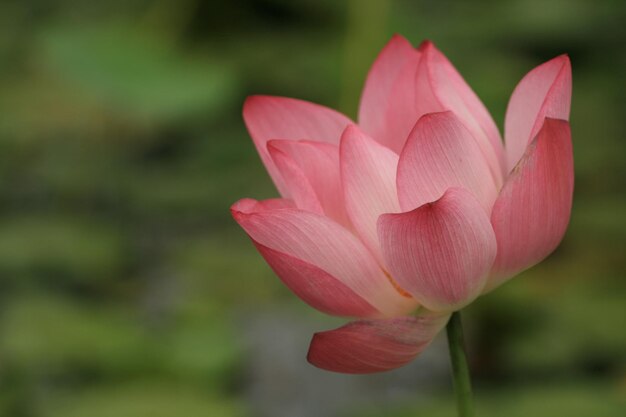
(440, 252)
(249, 205)
(311, 173)
(368, 174)
(316, 287)
(296, 182)
(441, 153)
(441, 87)
(389, 94)
(325, 244)
(546, 91)
(368, 346)
(270, 117)
(532, 212)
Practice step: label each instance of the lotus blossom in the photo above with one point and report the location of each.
(416, 210)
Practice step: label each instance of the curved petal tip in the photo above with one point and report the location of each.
(369, 346)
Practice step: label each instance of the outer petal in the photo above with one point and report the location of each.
(249, 205)
(316, 287)
(286, 118)
(441, 87)
(368, 174)
(532, 212)
(440, 252)
(395, 65)
(546, 91)
(441, 153)
(368, 346)
(321, 242)
(311, 171)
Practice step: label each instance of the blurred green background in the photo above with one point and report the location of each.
(127, 290)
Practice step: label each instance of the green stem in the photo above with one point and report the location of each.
(460, 370)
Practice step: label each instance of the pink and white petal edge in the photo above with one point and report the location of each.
(533, 210)
(441, 252)
(325, 244)
(441, 87)
(295, 180)
(379, 92)
(442, 153)
(546, 91)
(316, 287)
(270, 117)
(368, 175)
(368, 346)
(318, 162)
(250, 205)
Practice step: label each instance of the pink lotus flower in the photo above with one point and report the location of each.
(418, 207)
